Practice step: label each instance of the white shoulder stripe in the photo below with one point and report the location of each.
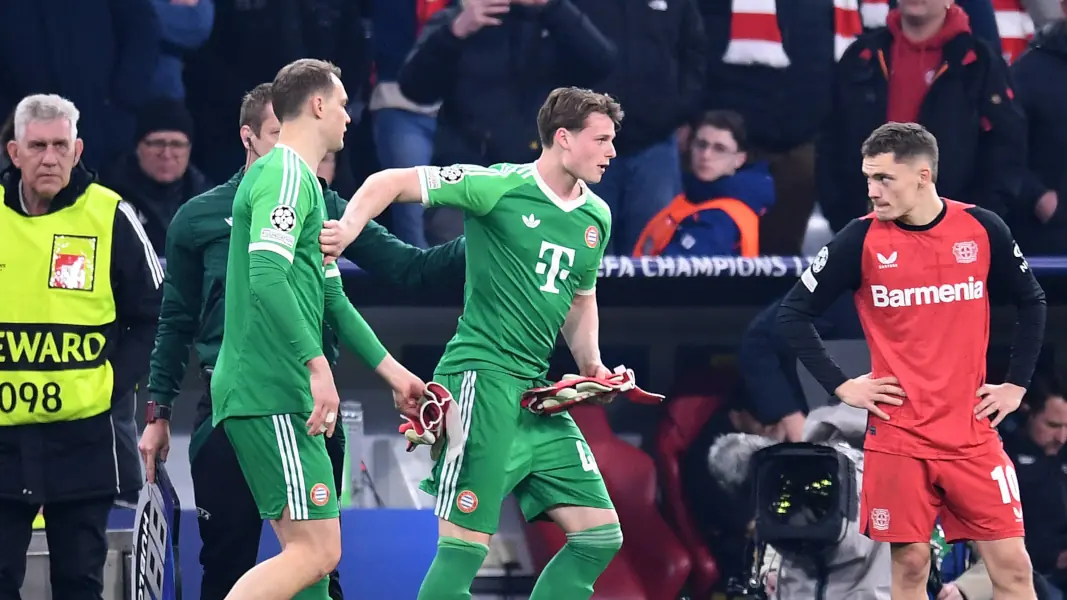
(154, 268)
(290, 187)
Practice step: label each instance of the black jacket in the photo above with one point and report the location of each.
(783, 108)
(1041, 88)
(97, 456)
(1043, 490)
(155, 202)
(492, 83)
(660, 75)
(981, 132)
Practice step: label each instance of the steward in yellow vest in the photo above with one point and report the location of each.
(80, 287)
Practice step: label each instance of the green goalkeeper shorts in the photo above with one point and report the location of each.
(284, 466)
(543, 460)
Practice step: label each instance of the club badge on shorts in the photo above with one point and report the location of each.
(466, 502)
(880, 519)
(320, 494)
(73, 264)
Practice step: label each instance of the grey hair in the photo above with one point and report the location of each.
(45, 108)
(730, 455)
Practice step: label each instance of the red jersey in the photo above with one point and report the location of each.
(922, 295)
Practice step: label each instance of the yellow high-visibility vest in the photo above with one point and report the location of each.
(55, 273)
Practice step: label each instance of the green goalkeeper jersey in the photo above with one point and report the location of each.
(529, 252)
(274, 301)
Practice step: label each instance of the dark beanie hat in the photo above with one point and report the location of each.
(163, 114)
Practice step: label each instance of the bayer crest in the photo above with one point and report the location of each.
(283, 218)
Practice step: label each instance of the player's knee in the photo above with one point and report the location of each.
(322, 559)
(330, 557)
(1010, 570)
(318, 544)
(597, 544)
(911, 563)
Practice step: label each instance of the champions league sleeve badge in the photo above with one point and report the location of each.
(156, 573)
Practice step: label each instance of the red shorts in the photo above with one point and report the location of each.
(977, 498)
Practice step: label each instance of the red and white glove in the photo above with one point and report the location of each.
(429, 428)
(574, 389)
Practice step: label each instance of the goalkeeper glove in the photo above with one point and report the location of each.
(429, 428)
(574, 389)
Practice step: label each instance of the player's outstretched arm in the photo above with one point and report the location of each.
(382, 254)
(471, 188)
(358, 337)
(375, 195)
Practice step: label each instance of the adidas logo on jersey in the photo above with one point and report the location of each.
(931, 294)
(531, 221)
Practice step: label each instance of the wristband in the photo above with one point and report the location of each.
(155, 412)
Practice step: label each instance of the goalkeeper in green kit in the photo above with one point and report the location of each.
(272, 389)
(535, 239)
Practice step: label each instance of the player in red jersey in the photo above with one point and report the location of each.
(921, 268)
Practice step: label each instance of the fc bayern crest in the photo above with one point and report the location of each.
(592, 236)
(283, 218)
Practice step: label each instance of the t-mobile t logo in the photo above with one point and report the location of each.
(555, 271)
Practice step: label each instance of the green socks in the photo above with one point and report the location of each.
(453, 570)
(575, 568)
(569, 575)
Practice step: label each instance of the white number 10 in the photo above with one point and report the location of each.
(1008, 483)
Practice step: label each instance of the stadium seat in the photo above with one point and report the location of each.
(686, 416)
(653, 563)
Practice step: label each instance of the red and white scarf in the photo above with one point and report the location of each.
(755, 38)
(1015, 27)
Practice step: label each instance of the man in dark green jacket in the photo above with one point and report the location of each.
(192, 314)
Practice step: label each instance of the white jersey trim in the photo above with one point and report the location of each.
(424, 187)
(154, 268)
(271, 247)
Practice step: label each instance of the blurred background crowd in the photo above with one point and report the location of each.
(746, 101)
(743, 124)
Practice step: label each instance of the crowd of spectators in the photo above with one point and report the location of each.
(743, 118)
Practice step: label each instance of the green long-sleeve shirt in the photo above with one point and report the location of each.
(193, 289)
